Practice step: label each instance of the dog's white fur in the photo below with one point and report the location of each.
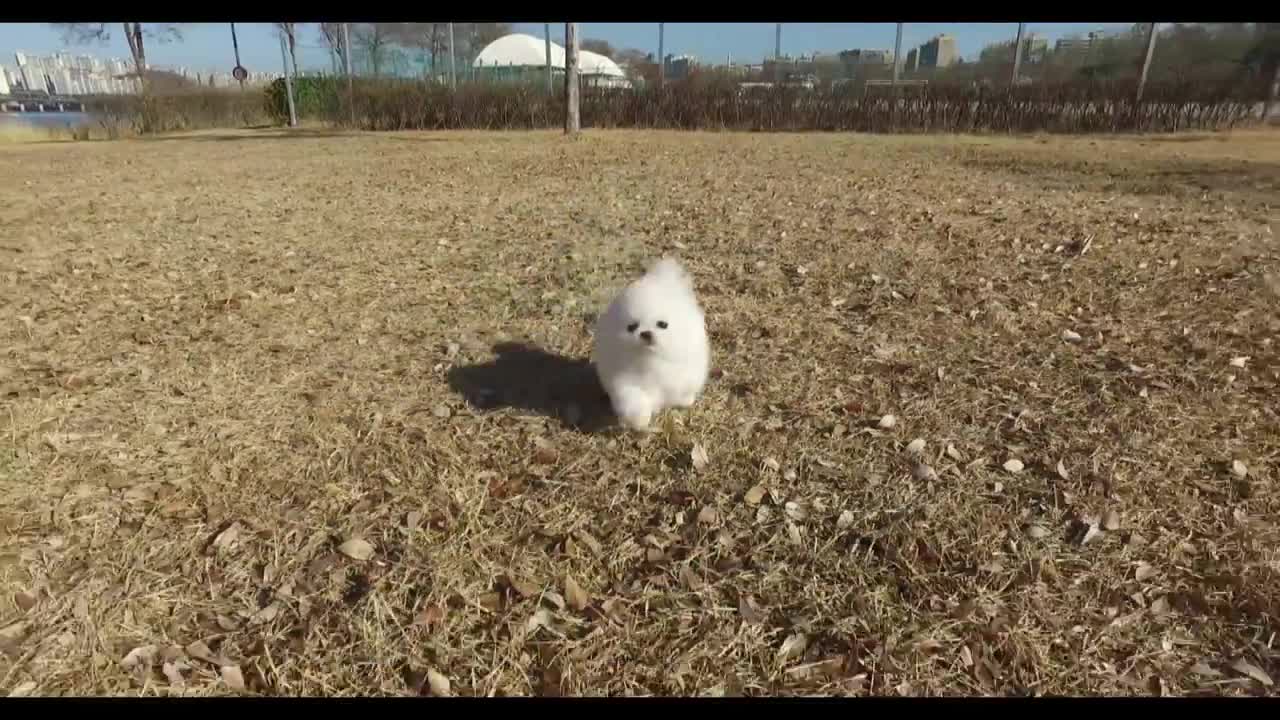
(645, 367)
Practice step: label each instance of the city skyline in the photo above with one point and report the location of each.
(206, 47)
(68, 73)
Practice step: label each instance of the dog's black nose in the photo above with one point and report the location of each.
(646, 336)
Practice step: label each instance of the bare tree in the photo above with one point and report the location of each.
(374, 39)
(638, 64)
(331, 34)
(290, 32)
(477, 35)
(437, 42)
(421, 36)
(600, 47)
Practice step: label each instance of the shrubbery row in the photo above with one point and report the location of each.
(706, 104)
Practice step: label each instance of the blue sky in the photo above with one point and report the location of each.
(208, 46)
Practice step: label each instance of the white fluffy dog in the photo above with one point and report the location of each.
(651, 350)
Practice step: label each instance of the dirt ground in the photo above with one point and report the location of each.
(310, 414)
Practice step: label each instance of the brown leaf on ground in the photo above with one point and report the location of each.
(357, 549)
(574, 595)
(232, 677)
(439, 684)
(699, 457)
(1244, 667)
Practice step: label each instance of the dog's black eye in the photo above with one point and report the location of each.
(662, 324)
(632, 327)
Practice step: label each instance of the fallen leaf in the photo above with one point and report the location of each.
(750, 611)
(1037, 532)
(1091, 533)
(699, 456)
(1062, 472)
(793, 647)
(708, 515)
(590, 541)
(541, 618)
(490, 601)
(1111, 520)
(228, 537)
(953, 453)
(845, 520)
(613, 610)
(232, 676)
(795, 510)
(173, 675)
(577, 598)
(1013, 465)
(200, 651)
(1203, 669)
(1071, 336)
(356, 549)
(1239, 469)
(1244, 667)
(1160, 606)
(545, 454)
(1145, 571)
(915, 447)
(887, 422)
(923, 472)
(439, 684)
(139, 657)
(441, 411)
(429, 615)
(1239, 362)
(266, 614)
(793, 533)
(691, 579)
(524, 588)
(24, 601)
(755, 495)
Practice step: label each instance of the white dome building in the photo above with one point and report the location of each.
(518, 50)
(519, 56)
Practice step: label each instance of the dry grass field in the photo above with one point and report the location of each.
(310, 413)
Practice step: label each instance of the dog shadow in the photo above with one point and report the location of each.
(526, 377)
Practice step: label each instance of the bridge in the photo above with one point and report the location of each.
(25, 102)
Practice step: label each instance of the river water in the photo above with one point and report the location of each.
(47, 119)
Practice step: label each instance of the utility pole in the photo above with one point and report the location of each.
(453, 59)
(1146, 62)
(346, 57)
(777, 55)
(571, 119)
(897, 56)
(546, 32)
(288, 83)
(662, 59)
(1017, 56)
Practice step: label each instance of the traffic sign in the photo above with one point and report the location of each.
(239, 73)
